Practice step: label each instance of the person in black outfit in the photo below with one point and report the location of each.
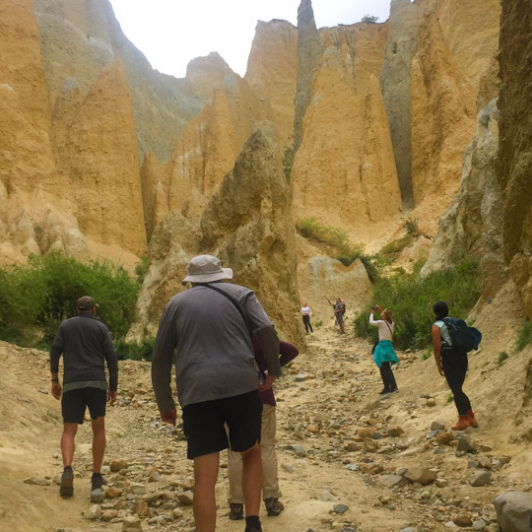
(452, 365)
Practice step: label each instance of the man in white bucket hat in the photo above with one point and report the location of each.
(210, 326)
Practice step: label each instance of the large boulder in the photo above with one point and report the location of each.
(514, 511)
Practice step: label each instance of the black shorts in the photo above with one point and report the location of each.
(74, 402)
(204, 424)
(339, 318)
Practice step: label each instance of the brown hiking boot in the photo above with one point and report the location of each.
(236, 511)
(273, 506)
(471, 418)
(461, 424)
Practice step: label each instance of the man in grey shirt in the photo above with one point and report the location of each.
(85, 343)
(217, 378)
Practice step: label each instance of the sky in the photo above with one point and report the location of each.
(170, 33)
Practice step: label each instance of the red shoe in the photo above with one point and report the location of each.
(462, 423)
(471, 419)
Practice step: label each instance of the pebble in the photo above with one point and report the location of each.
(420, 475)
(480, 478)
(93, 512)
(97, 496)
(341, 508)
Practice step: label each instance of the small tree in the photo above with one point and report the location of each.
(370, 19)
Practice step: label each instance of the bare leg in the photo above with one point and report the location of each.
(205, 475)
(68, 443)
(252, 479)
(98, 443)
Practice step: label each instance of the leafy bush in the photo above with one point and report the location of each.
(503, 355)
(41, 295)
(288, 162)
(337, 244)
(525, 336)
(133, 350)
(412, 297)
(370, 19)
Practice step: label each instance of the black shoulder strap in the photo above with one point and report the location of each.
(233, 301)
(389, 328)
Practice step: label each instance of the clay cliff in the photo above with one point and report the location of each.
(370, 122)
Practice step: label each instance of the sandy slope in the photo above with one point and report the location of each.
(322, 414)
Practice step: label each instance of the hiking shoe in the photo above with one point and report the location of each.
(236, 511)
(395, 390)
(385, 391)
(461, 424)
(274, 506)
(471, 418)
(97, 482)
(66, 488)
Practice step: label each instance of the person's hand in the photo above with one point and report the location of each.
(111, 396)
(169, 417)
(57, 390)
(441, 371)
(267, 384)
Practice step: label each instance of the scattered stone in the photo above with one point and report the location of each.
(93, 512)
(37, 481)
(480, 478)
(341, 508)
(117, 465)
(131, 522)
(514, 511)
(389, 480)
(352, 467)
(408, 529)
(420, 475)
(431, 401)
(97, 496)
(141, 508)
(287, 468)
(464, 443)
(437, 425)
(463, 521)
(367, 432)
(396, 432)
(107, 515)
(480, 524)
(138, 489)
(352, 447)
(372, 405)
(186, 497)
(113, 492)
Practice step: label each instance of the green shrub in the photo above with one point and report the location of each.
(503, 355)
(39, 296)
(524, 337)
(369, 19)
(411, 298)
(337, 244)
(133, 350)
(288, 162)
(319, 323)
(427, 354)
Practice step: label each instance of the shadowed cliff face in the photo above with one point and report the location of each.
(515, 155)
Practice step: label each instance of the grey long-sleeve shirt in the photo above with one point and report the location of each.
(85, 343)
(214, 356)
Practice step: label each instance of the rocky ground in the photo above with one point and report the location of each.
(349, 460)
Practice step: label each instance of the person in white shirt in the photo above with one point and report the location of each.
(306, 311)
(383, 353)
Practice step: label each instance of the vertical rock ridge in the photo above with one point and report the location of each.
(308, 49)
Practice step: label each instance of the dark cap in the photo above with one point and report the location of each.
(86, 303)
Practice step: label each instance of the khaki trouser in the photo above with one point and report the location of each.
(270, 482)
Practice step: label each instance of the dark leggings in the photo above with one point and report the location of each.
(306, 321)
(455, 368)
(387, 376)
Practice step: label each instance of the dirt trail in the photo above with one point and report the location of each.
(326, 397)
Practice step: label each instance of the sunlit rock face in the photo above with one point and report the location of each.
(515, 156)
(247, 223)
(473, 224)
(344, 172)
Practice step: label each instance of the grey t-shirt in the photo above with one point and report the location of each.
(214, 358)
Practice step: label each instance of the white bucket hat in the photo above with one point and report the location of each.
(206, 269)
